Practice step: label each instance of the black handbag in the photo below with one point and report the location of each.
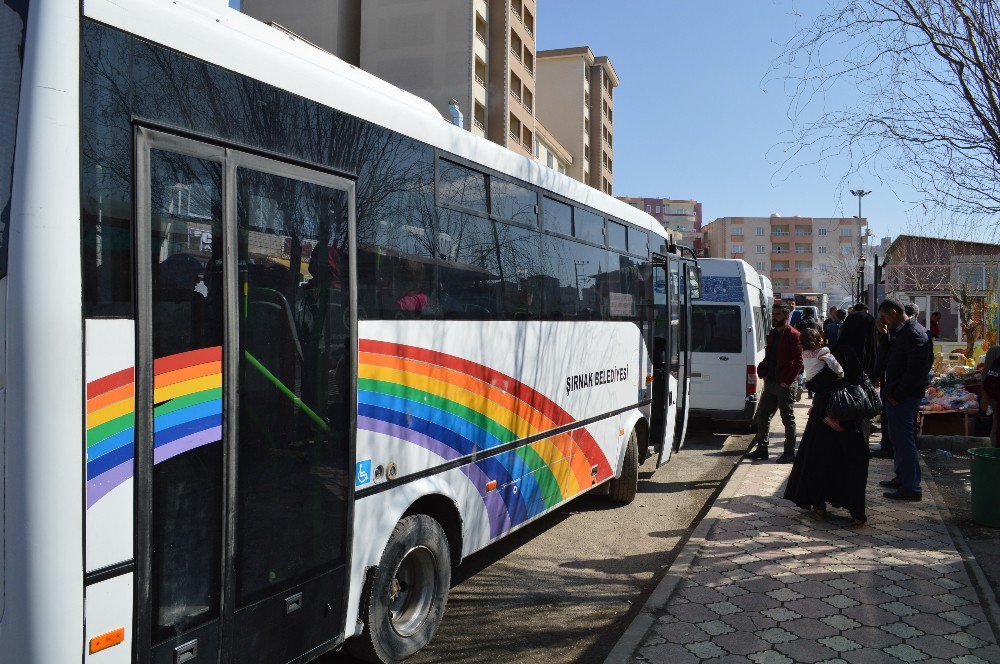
(854, 402)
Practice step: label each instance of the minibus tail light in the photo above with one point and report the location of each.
(751, 380)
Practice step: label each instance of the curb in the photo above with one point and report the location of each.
(633, 635)
(984, 590)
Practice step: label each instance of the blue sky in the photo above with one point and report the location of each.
(692, 118)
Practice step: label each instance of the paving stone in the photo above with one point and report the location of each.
(906, 653)
(705, 649)
(947, 583)
(732, 590)
(873, 616)
(770, 657)
(811, 608)
(682, 632)
(785, 595)
(840, 643)
(693, 613)
(723, 608)
(781, 614)
(872, 637)
(715, 627)
(902, 630)
(990, 653)
(841, 601)
(969, 659)
(896, 591)
(958, 617)
(777, 635)
(894, 575)
(755, 602)
(749, 622)
(806, 651)
(931, 624)
(953, 600)
(840, 622)
(899, 609)
(937, 646)
(841, 584)
(966, 640)
(701, 594)
(742, 643)
(668, 653)
(809, 628)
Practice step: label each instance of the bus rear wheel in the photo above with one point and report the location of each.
(622, 489)
(405, 601)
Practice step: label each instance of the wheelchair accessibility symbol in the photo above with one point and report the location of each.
(363, 475)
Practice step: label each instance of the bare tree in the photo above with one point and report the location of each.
(923, 82)
(842, 270)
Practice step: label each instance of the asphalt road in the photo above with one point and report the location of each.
(564, 588)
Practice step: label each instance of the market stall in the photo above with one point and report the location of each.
(952, 398)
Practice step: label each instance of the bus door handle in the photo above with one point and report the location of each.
(293, 603)
(187, 652)
(696, 374)
(724, 358)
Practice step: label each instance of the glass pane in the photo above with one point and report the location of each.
(717, 329)
(522, 278)
(461, 187)
(464, 279)
(574, 279)
(13, 21)
(294, 381)
(588, 226)
(513, 202)
(638, 241)
(617, 236)
(187, 513)
(557, 217)
(625, 286)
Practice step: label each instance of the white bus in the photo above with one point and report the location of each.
(281, 346)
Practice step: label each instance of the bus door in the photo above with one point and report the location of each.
(683, 274)
(663, 407)
(243, 394)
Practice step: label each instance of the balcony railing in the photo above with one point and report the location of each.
(481, 37)
(514, 137)
(516, 54)
(779, 232)
(516, 95)
(527, 106)
(479, 125)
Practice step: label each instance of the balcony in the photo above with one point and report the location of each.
(527, 106)
(480, 81)
(514, 137)
(781, 232)
(516, 95)
(482, 37)
(479, 125)
(516, 54)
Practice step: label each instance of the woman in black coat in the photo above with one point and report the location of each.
(832, 466)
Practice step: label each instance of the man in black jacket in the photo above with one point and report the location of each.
(907, 365)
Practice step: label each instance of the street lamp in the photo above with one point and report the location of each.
(860, 193)
(862, 296)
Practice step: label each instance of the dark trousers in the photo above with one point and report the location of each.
(906, 460)
(776, 398)
(886, 445)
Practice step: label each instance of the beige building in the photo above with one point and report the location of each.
(798, 254)
(578, 110)
(480, 53)
(679, 217)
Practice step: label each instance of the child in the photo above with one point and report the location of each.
(814, 357)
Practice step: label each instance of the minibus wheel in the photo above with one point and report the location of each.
(405, 600)
(622, 489)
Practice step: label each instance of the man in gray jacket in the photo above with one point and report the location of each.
(908, 362)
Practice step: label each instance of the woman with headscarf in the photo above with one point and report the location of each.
(831, 466)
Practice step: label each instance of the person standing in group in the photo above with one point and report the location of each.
(779, 370)
(882, 351)
(832, 330)
(985, 400)
(907, 365)
(832, 464)
(935, 329)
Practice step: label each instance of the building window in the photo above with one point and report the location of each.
(737, 248)
(548, 159)
(760, 266)
(822, 250)
(760, 232)
(761, 249)
(822, 231)
(649, 208)
(845, 231)
(847, 250)
(737, 230)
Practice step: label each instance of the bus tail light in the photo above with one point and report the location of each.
(751, 380)
(105, 641)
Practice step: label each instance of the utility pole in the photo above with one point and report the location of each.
(862, 237)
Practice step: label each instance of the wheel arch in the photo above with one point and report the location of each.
(630, 421)
(443, 510)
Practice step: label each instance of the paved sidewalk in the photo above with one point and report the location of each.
(763, 581)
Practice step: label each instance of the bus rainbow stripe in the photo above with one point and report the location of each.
(187, 413)
(453, 407)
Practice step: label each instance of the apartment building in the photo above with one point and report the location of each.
(479, 53)
(578, 110)
(680, 217)
(798, 254)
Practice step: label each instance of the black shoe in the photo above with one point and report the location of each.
(899, 494)
(882, 454)
(758, 453)
(785, 458)
(894, 483)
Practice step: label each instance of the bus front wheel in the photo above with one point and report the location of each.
(622, 489)
(406, 598)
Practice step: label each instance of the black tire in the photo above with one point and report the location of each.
(622, 489)
(417, 554)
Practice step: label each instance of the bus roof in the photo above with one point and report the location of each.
(239, 43)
